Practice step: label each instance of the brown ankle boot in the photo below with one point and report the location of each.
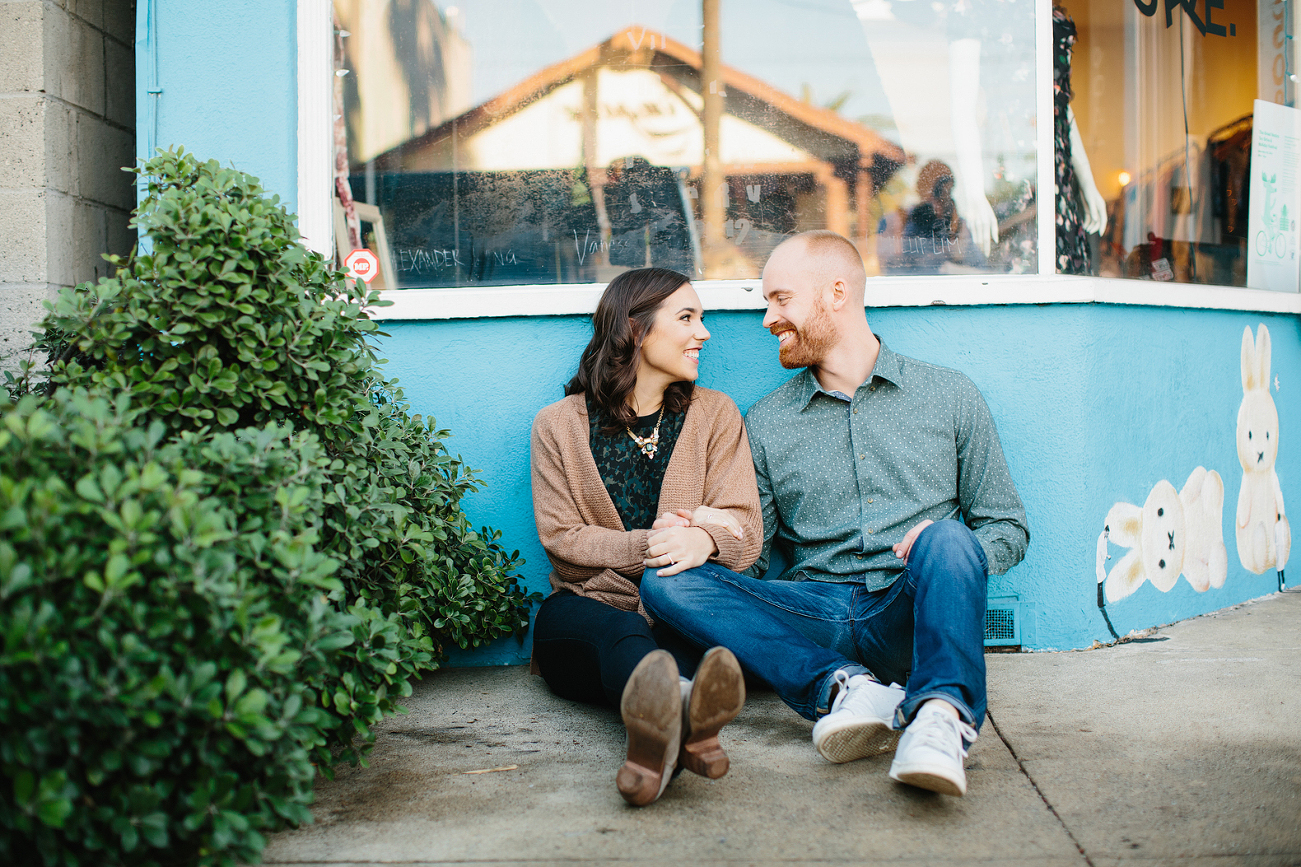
(652, 713)
(716, 696)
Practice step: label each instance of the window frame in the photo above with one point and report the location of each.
(315, 208)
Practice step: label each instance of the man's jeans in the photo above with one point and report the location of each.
(926, 630)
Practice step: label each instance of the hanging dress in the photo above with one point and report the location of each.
(1072, 245)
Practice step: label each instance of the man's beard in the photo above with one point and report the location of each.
(811, 343)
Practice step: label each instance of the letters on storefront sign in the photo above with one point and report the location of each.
(1190, 9)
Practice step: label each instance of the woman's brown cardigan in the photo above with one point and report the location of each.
(590, 551)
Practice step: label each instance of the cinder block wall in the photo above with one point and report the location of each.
(67, 126)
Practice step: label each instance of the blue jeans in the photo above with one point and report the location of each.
(926, 630)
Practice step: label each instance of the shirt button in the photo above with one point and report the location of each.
(862, 457)
(859, 556)
(873, 388)
(855, 412)
(869, 500)
(869, 532)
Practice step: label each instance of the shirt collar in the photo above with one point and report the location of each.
(886, 367)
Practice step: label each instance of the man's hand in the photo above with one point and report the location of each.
(901, 550)
(677, 549)
(681, 518)
(700, 517)
(709, 515)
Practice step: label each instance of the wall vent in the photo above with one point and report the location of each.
(1002, 625)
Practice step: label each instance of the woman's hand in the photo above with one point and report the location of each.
(677, 549)
(700, 517)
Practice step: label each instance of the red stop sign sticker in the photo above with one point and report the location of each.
(362, 264)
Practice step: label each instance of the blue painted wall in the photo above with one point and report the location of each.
(227, 72)
(1094, 404)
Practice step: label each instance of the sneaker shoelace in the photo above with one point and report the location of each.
(863, 700)
(842, 679)
(942, 732)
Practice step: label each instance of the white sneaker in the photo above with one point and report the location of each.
(860, 723)
(931, 752)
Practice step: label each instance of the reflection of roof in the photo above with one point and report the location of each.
(819, 131)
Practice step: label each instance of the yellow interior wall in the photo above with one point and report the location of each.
(1221, 73)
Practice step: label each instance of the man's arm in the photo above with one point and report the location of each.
(767, 505)
(986, 494)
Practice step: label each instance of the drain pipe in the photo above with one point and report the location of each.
(147, 44)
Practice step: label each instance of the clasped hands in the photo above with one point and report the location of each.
(677, 541)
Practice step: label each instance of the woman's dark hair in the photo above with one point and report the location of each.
(607, 370)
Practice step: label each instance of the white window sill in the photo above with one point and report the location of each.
(552, 299)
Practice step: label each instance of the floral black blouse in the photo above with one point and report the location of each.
(632, 479)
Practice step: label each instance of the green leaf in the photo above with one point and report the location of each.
(335, 641)
(153, 828)
(54, 812)
(235, 684)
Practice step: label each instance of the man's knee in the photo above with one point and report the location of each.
(663, 593)
(952, 541)
(657, 592)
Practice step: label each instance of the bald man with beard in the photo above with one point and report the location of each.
(884, 485)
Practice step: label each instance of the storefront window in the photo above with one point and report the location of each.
(1168, 98)
(546, 141)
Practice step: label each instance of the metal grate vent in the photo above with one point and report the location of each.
(1000, 626)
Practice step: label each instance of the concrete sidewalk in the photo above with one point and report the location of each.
(1185, 747)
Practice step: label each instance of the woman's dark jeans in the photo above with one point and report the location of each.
(587, 650)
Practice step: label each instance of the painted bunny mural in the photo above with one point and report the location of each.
(1173, 533)
(1264, 535)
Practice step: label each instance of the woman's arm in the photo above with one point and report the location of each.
(561, 527)
(730, 486)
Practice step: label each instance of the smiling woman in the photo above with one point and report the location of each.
(638, 469)
(671, 351)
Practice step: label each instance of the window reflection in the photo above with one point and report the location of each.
(521, 142)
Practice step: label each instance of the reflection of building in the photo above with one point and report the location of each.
(638, 95)
(409, 69)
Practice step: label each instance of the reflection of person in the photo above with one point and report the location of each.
(883, 479)
(643, 205)
(931, 234)
(1080, 207)
(945, 50)
(634, 437)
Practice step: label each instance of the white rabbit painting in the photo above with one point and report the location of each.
(1173, 533)
(1264, 536)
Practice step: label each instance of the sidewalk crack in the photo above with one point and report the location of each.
(1038, 791)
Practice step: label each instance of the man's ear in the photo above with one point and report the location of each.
(839, 295)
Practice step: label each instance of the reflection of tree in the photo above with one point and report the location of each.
(418, 37)
(351, 93)
(836, 103)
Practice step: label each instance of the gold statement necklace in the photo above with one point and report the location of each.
(649, 445)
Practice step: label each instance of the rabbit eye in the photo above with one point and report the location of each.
(1161, 564)
(1266, 434)
(1248, 434)
(1160, 512)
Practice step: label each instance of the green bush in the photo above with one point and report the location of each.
(151, 693)
(230, 321)
(238, 363)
